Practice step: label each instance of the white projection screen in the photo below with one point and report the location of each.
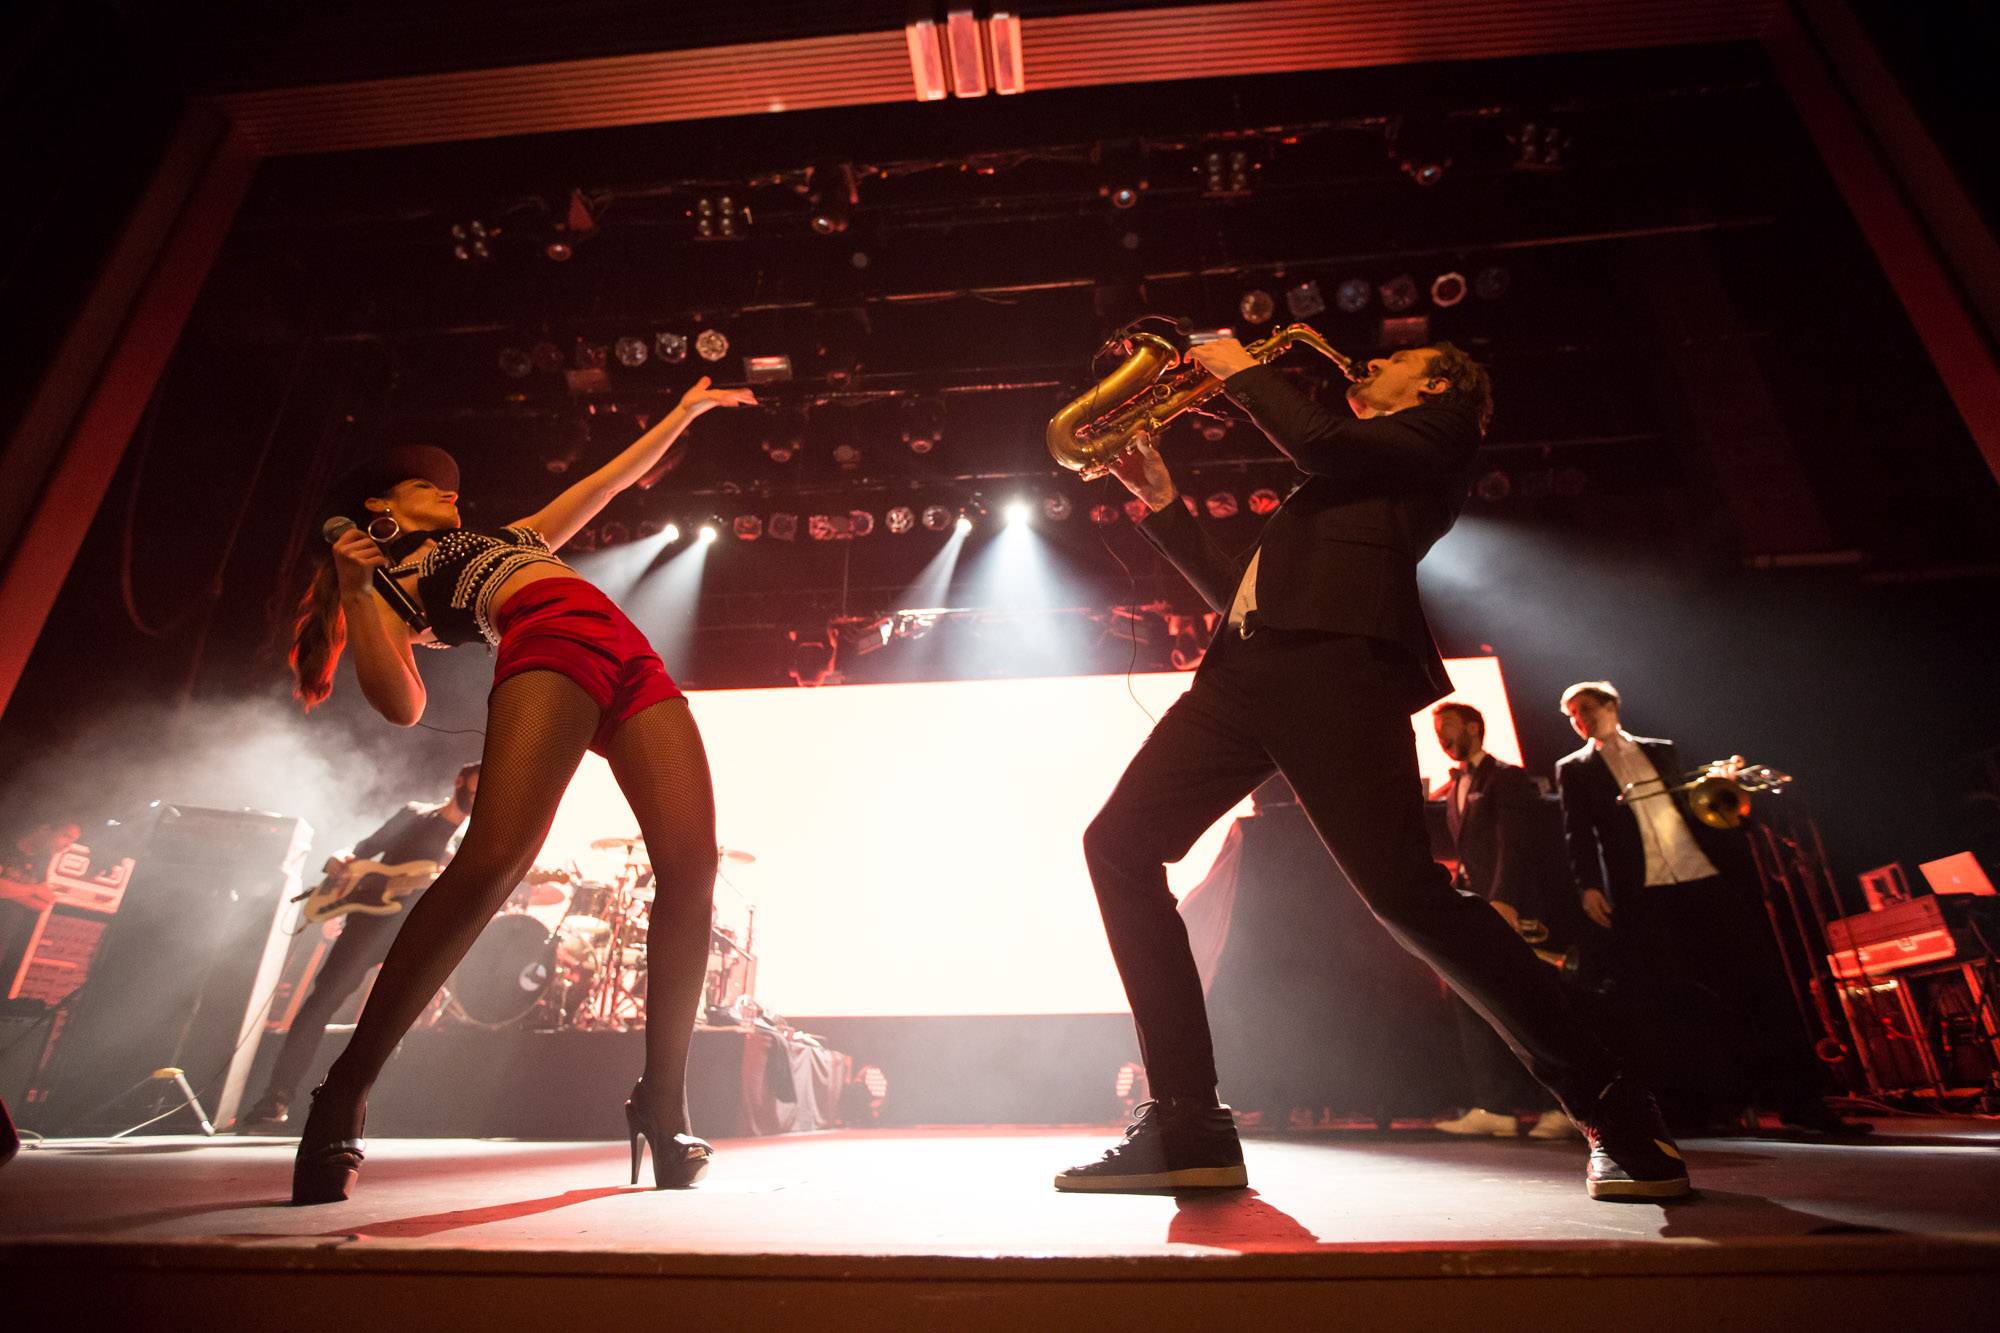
(919, 846)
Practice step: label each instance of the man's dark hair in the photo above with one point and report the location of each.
(1470, 386)
(1465, 713)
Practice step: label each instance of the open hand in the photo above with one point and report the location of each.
(1597, 907)
(702, 397)
(1222, 358)
(1143, 472)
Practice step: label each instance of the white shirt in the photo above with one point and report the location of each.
(1672, 855)
(1246, 593)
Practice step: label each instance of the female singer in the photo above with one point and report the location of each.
(571, 673)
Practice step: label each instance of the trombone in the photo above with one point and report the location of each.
(1718, 793)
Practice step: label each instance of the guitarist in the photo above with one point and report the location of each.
(415, 833)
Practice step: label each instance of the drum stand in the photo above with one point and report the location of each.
(615, 1004)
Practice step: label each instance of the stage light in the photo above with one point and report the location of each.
(922, 420)
(747, 527)
(1222, 504)
(782, 527)
(926, 60)
(1352, 295)
(716, 218)
(1057, 508)
(1538, 147)
(559, 252)
(1494, 487)
(1226, 173)
(547, 357)
(847, 456)
(1405, 331)
(631, 351)
(877, 1084)
(709, 532)
(1304, 300)
(1424, 171)
(900, 520)
(1448, 289)
(1137, 509)
(832, 187)
(1123, 196)
(963, 523)
(711, 344)
(671, 347)
(1491, 282)
(1399, 293)
(1017, 512)
(936, 518)
(515, 363)
(781, 450)
(1257, 307)
(1003, 44)
(1213, 428)
(1124, 165)
(1264, 500)
(767, 369)
(1131, 1077)
(1104, 515)
(469, 241)
(670, 533)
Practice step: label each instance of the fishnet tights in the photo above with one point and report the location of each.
(538, 725)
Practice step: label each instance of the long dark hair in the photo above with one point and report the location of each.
(318, 634)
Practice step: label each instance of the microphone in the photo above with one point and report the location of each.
(392, 592)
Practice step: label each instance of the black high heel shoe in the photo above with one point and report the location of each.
(326, 1167)
(686, 1158)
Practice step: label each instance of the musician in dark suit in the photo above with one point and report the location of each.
(1322, 655)
(417, 832)
(1687, 925)
(1493, 814)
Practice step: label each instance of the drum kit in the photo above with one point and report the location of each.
(587, 971)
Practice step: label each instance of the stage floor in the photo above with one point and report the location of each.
(1914, 1212)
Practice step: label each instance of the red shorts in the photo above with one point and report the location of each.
(566, 625)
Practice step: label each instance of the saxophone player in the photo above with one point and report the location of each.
(1322, 655)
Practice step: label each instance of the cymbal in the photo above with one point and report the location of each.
(542, 895)
(634, 848)
(735, 854)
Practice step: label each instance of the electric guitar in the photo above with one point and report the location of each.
(367, 886)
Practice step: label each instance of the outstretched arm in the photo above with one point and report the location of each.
(565, 516)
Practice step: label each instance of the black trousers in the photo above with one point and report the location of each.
(363, 943)
(1706, 994)
(1331, 713)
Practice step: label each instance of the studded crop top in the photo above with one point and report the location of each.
(457, 577)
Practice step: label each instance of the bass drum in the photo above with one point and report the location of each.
(505, 973)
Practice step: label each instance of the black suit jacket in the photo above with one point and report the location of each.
(1605, 849)
(1495, 838)
(1341, 553)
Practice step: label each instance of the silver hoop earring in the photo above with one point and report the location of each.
(395, 528)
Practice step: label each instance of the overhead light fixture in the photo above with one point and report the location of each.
(708, 534)
(1017, 512)
(936, 518)
(1491, 282)
(1057, 508)
(1104, 515)
(963, 523)
(782, 527)
(1399, 293)
(747, 527)
(717, 218)
(1352, 296)
(1222, 504)
(860, 522)
(1448, 289)
(1137, 509)
(559, 251)
(1263, 501)
(834, 196)
(1256, 306)
(1304, 300)
(516, 363)
(1406, 331)
(1226, 172)
(1003, 43)
(1538, 146)
(469, 241)
(847, 456)
(922, 420)
(1494, 487)
(900, 520)
(767, 369)
(711, 344)
(1123, 163)
(927, 68)
(671, 347)
(967, 53)
(670, 532)
(631, 351)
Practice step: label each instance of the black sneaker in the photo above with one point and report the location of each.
(266, 1117)
(1174, 1143)
(1631, 1154)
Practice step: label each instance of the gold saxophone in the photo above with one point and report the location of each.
(1146, 392)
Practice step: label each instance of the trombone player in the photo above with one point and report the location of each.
(1682, 909)
(1322, 656)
